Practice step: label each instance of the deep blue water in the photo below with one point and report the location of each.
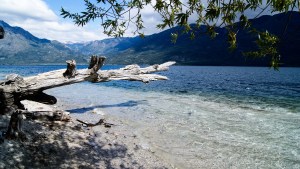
(242, 84)
(249, 85)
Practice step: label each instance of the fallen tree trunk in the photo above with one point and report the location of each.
(15, 88)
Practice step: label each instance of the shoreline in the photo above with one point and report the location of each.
(70, 145)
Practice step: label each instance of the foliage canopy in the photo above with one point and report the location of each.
(117, 15)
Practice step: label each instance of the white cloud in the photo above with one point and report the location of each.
(37, 18)
(33, 9)
(63, 32)
(151, 19)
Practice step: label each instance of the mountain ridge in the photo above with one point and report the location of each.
(21, 47)
(157, 48)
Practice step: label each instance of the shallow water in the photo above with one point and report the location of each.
(204, 117)
(191, 132)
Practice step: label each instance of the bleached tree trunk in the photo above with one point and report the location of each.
(15, 88)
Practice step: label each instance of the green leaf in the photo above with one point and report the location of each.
(174, 37)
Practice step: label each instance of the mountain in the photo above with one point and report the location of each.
(157, 48)
(99, 46)
(21, 47)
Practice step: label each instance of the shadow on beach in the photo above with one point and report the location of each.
(130, 103)
(53, 145)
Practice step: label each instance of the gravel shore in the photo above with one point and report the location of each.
(72, 145)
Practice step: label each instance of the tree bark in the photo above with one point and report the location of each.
(14, 130)
(15, 88)
(71, 69)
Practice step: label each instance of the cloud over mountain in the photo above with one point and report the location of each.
(37, 17)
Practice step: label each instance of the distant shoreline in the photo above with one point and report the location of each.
(85, 64)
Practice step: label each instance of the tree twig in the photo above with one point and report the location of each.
(100, 122)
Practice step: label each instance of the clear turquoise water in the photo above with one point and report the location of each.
(203, 117)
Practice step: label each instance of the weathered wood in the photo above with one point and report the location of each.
(100, 122)
(41, 97)
(15, 89)
(57, 115)
(71, 69)
(96, 63)
(14, 130)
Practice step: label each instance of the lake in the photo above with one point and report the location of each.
(203, 117)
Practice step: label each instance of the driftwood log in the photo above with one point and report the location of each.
(14, 130)
(16, 88)
(55, 115)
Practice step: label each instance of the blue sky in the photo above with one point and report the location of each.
(42, 19)
(55, 5)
